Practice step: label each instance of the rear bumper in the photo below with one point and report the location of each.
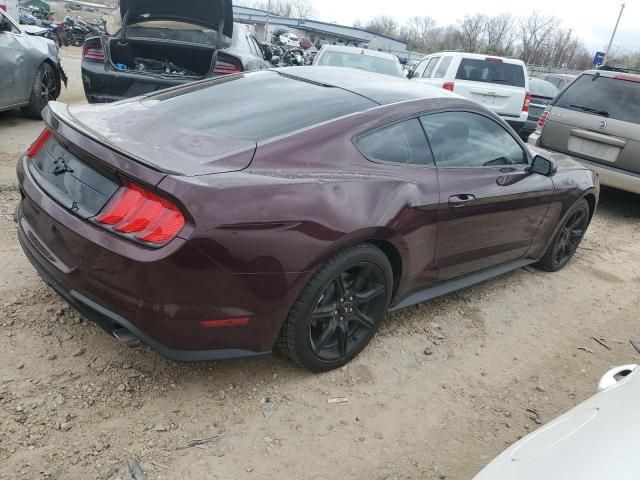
(160, 296)
(111, 322)
(103, 85)
(614, 177)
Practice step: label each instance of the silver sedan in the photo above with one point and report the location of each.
(30, 70)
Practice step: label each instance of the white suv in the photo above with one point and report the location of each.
(500, 84)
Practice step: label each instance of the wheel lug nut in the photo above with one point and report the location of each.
(351, 299)
(341, 300)
(341, 318)
(350, 310)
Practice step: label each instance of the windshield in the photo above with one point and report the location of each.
(362, 62)
(609, 97)
(542, 88)
(491, 71)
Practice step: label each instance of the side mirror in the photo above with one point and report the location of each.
(275, 60)
(268, 54)
(543, 166)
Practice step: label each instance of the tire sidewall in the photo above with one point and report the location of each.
(319, 283)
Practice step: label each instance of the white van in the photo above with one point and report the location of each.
(500, 84)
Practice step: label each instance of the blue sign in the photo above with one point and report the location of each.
(599, 59)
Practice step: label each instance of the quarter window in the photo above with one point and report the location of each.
(464, 139)
(401, 143)
(419, 70)
(431, 67)
(443, 67)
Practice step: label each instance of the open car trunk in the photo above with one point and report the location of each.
(155, 57)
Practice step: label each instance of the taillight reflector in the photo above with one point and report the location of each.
(39, 143)
(448, 86)
(227, 65)
(230, 322)
(142, 215)
(93, 53)
(493, 59)
(527, 103)
(542, 120)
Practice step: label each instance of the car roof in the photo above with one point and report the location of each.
(564, 76)
(381, 89)
(475, 56)
(612, 73)
(359, 51)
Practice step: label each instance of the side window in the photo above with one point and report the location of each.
(463, 139)
(400, 143)
(417, 73)
(443, 67)
(256, 49)
(431, 67)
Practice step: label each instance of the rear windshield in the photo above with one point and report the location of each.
(604, 96)
(362, 62)
(491, 71)
(256, 106)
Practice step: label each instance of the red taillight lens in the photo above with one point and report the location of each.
(39, 143)
(142, 215)
(93, 53)
(527, 103)
(227, 65)
(628, 78)
(448, 86)
(542, 120)
(493, 60)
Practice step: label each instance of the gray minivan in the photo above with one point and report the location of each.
(596, 120)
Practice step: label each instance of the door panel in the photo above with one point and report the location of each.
(490, 205)
(497, 226)
(10, 60)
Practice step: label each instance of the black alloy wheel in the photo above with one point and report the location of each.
(343, 316)
(339, 310)
(568, 238)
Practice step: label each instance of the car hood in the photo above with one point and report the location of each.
(205, 13)
(596, 440)
(129, 128)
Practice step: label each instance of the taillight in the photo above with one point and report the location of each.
(542, 120)
(93, 53)
(39, 143)
(628, 78)
(227, 65)
(448, 86)
(527, 103)
(493, 59)
(142, 215)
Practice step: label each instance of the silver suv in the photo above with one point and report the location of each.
(596, 120)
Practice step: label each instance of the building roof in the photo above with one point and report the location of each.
(309, 24)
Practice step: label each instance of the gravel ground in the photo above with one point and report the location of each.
(75, 404)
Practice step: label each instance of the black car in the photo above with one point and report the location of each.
(164, 43)
(542, 94)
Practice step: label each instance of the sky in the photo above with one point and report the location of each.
(592, 21)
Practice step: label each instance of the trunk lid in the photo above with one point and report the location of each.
(608, 134)
(155, 141)
(214, 14)
(497, 84)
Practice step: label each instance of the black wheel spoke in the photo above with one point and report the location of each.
(362, 277)
(321, 313)
(364, 320)
(342, 339)
(341, 288)
(327, 334)
(368, 295)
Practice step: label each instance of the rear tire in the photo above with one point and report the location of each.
(339, 311)
(43, 90)
(568, 239)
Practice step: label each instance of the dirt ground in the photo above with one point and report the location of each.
(75, 404)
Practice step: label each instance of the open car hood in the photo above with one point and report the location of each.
(205, 13)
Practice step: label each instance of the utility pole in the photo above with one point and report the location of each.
(266, 30)
(615, 30)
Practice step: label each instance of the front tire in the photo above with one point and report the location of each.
(43, 90)
(568, 239)
(339, 310)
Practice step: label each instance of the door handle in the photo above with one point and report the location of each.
(461, 200)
